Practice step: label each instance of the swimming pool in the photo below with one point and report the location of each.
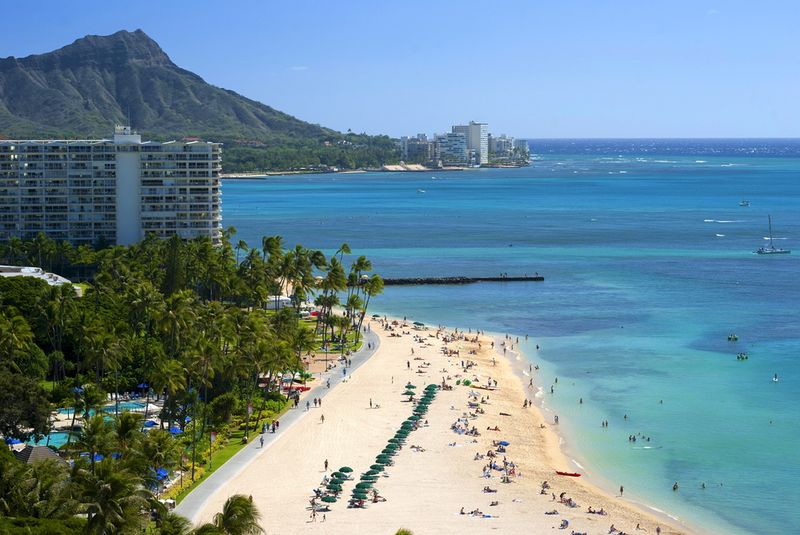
(56, 440)
(124, 406)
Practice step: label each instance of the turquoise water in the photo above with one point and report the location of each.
(124, 406)
(56, 440)
(649, 266)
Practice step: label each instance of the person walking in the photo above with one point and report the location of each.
(322, 419)
(261, 440)
(326, 465)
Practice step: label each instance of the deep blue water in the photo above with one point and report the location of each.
(649, 264)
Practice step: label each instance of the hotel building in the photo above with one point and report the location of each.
(477, 135)
(110, 191)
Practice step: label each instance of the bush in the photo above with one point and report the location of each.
(41, 526)
(223, 407)
(275, 406)
(62, 395)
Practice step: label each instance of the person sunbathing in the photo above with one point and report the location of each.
(487, 489)
(495, 428)
(494, 503)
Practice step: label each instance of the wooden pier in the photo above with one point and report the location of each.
(417, 281)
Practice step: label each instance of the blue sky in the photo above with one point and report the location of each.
(722, 68)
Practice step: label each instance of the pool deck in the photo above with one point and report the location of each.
(193, 503)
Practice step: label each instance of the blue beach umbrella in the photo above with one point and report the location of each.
(150, 423)
(175, 430)
(142, 386)
(11, 441)
(504, 443)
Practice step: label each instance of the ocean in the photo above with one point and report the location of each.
(649, 265)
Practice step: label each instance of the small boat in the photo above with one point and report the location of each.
(420, 191)
(744, 203)
(570, 474)
(771, 249)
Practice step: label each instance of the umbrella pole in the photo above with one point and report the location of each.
(146, 406)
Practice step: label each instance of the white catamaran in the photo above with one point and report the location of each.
(771, 249)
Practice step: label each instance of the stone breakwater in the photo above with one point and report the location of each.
(458, 280)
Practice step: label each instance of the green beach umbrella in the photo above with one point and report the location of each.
(334, 487)
(430, 387)
(410, 386)
(363, 485)
(329, 499)
(336, 481)
(345, 469)
(376, 467)
(373, 471)
(338, 474)
(394, 440)
(360, 495)
(408, 393)
(371, 479)
(413, 418)
(418, 324)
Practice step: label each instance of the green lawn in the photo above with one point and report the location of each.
(218, 458)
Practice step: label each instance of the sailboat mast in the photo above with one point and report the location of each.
(769, 218)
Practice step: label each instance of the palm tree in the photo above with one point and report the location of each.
(57, 311)
(39, 490)
(373, 286)
(16, 338)
(173, 524)
(241, 245)
(96, 438)
(239, 516)
(169, 379)
(112, 498)
(126, 431)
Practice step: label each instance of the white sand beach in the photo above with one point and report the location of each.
(427, 488)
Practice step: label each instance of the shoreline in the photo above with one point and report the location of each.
(267, 174)
(568, 452)
(428, 486)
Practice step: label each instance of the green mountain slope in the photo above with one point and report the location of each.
(83, 89)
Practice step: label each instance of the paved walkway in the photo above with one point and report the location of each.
(191, 506)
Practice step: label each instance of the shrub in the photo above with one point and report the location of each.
(41, 526)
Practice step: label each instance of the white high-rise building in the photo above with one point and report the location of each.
(477, 135)
(110, 191)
